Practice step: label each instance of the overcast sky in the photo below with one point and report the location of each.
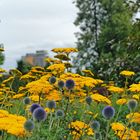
(30, 25)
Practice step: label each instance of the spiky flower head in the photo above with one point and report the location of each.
(39, 114)
(29, 125)
(95, 125)
(70, 84)
(51, 104)
(33, 107)
(108, 112)
(88, 100)
(52, 80)
(59, 113)
(61, 84)
(132, 104)
(26, 100)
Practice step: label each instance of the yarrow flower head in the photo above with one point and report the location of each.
(95, 125)
(51, 104)
(39, 114)
(70, 84)
(52, 80)
(59, 113)
(33, 107)
(132, 104)
(88, 100)
(26, 100)
(61, 84)
(108, 112)
(127, 73)
(29, 125)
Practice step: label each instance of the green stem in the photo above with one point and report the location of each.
(120, 107)
(107, 129)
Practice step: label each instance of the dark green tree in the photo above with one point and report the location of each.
(106, 52)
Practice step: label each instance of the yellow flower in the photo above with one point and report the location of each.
(121, 101)
(62, 57)
(35, 98)
(127, 73)
(137, 97)
(9, 80)
(123, 132)
(17, 96)
(115, 89)
(64, 50)
(100, 98)
(80, 128)
(135, 117)
(117, 126)
(88, 72)
(57, 68)
(39, 87)
(49, 110)
(27, 77)
(54, 61)
(12, 124)
(135, 87)
(2, 70)
(53, 95)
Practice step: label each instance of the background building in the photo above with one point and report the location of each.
(36, 59)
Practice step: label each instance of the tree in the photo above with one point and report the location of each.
(23, 67)
(106, 52)
(1, 54)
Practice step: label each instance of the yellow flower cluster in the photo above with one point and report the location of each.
(88, 72)
(100, 98)
(137, 97)
(54, 95)
(121, 101)
(17, 96)
(27, 77)
(64, 50)
(12, 124)
(123, 132)
(57, 68)
(127, 73)
(115, 89)
(135, 87)
(134, 117)
(35, 98)
(79, 129)
(81, 81)
(54, 61)
(39, 87)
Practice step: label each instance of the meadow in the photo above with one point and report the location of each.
(53, 103)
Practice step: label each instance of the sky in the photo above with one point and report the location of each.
(30, 25)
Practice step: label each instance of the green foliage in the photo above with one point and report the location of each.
(1, 54)
(23, 67)
(109, 39)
